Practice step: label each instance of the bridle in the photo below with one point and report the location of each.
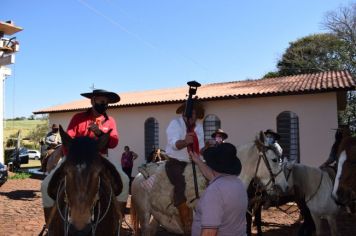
(95, 218)
(273, 176)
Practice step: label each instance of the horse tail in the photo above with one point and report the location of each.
(134, 219)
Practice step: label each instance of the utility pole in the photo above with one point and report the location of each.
(8, 48)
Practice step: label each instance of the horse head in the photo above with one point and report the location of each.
(83, 180)
(269, 170)
(344, 191)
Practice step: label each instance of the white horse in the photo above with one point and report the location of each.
(257, 159)
(316, 187)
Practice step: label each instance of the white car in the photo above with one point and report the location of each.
(34, 154)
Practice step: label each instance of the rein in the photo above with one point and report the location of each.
(65, 216)
(259, 187)
(262, 155)
(317, 190)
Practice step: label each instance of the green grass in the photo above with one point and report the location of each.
(26, 126)
(20, 175)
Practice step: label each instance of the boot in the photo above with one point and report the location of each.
(186, 217)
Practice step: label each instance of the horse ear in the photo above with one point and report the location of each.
(113, 176)
(260, 140)
(104, 140)
(66, 139)
(53, 184)
(262, 137)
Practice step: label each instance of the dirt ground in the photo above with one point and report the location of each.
(21, 214)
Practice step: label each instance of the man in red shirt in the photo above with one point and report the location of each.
(93, 123)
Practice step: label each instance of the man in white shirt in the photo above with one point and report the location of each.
(183, 135)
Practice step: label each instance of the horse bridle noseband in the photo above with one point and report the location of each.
(65, 217)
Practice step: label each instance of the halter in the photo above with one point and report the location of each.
(96, 204)
(262, 155)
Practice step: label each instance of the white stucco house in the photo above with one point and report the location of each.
(302, 108)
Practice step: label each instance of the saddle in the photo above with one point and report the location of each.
(161, 190)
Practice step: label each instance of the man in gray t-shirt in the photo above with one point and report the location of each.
(221, 210)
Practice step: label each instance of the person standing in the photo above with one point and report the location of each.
(222, 208)
(127, 160)
(93, 123)
(178, 139)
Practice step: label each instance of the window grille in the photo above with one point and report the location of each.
(151, 136)
(288, 128)
(210, 125)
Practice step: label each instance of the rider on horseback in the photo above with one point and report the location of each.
(178, 139)
(93, 123)
(52, 141)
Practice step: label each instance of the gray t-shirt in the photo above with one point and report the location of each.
(222, 206)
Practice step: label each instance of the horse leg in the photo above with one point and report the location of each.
(308, 227)
(258, 219)
(249, 221)
(317, 222)
(153, 227)
(332, 224)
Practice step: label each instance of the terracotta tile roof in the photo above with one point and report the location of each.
(296, 84)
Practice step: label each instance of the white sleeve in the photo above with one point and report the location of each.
(174, 133)
(200, 133)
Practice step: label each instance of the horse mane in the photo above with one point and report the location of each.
(83, 150)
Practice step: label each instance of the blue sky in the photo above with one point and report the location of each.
(133, 45)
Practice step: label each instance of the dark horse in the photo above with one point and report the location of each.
(258, 198)
(344, 191)
(84, 189)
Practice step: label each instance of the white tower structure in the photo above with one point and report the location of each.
(8, 48)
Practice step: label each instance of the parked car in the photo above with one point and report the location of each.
(3, 174)
(34, 154)
(18, 157)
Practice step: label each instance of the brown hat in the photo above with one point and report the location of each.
(112, 97)
(271, 131)
(221, 132)
(55, 126)
(197, 106)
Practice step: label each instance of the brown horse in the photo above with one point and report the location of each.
(53, 157)
(84, 189)
(344, 191)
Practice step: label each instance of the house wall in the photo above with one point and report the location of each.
(242, 119)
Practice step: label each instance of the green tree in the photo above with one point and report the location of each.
(38, 133)
(314, 53)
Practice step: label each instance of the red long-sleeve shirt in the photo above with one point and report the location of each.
(79, 126)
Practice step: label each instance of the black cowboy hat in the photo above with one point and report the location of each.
(55, 126)
(220, 131)
(222, 158)
(197, 106)
(112, 97)
(271, 131)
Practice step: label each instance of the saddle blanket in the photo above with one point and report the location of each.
(148, 183)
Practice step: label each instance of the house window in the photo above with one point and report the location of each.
(210, 125)
(151, 136)
(288, 128)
